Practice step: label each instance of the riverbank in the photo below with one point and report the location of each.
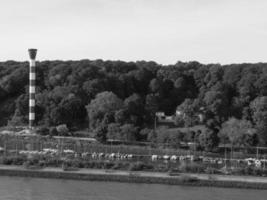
(248, 182)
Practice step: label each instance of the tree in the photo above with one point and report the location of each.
(53, 131)
(208, 139)
(108, 118)
(217, 103)
(55, 115)
(62, 130)
(72, 110)
(121, 116)
(2, 93)
(214, 76)
(238, 132)
(58, 74)
(132, 92)
(180, 83)
(152, 106)
(42, 130)
(101, 133)
(188, 112)
(179, 121)
(152, 136)
(17, 120)
(261, 85)
(168, 137)
(259, 114)
(105, 102)
(128, 132)
(174, 139)
(152, 103)
(13, 83)
(155, 85)
(162, 135)
(134, 107)
(199, 76)
(114, 132)
(134, 104)
(144, 134)
(20, 116)
(93, 87)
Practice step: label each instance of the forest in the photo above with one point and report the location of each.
(119, 100)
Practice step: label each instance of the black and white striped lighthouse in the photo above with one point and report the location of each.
(32, 79)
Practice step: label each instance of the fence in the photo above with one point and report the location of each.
(12, 145)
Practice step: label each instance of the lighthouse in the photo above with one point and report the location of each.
(32, 83)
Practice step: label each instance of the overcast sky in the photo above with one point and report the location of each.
(165, 31)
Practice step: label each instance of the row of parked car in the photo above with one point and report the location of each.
(153, 158)
(96, 155)
(247, 161)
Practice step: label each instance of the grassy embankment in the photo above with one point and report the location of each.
(136, 177)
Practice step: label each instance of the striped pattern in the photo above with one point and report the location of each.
(32, 82)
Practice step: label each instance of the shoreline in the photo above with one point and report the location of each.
(226, 181)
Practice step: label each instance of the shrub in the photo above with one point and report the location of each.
(53, 162)
(117, 165)
(211, 170)
(191, 167)
(143, 134)
(136, 166)
(257, 172)
(7, 161)
(42, 163)
(42, 131)
(62, 130)
(161, 168)
(18, 160)
(13, 160)
(108, 165)
(238, 171)
(53, 131)
(188, 179)
(179, 121)
(248, 170)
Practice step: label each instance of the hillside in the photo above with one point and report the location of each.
(117, 99)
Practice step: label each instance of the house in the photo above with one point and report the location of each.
(200, 115)
(162, 118)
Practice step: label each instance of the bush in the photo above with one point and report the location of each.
(191, 167)
(238, 171)
(53, 162)
(143, 134)
(179, 121)
(73, 163)
(258, 172)
(42, 163)
(13, 160)
(211, 170)
(62, 130)
(248, 170)
(188, 179)
(42, 131)
(108, 165)
(7, 161)
(117, 165)
(53, 131)
(161, 168)
(136, 166)
(139, 166)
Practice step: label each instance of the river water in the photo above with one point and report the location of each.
(18, 188)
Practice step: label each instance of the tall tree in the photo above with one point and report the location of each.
(105, 102)
(238, 132)
(259, 113)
